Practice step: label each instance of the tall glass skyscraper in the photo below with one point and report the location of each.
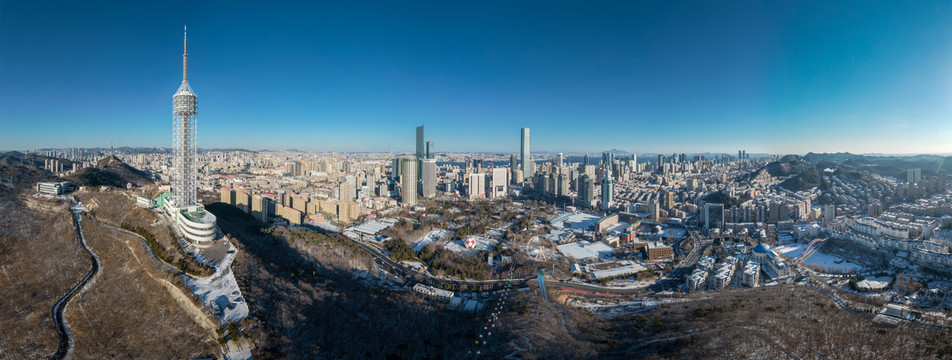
(527, 168)
(420, 147)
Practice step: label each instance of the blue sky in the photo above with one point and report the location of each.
(778, 77)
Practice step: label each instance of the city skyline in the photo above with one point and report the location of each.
(771, 80)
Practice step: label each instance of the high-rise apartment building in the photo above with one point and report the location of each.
(914, 175)
(943, 186)
(499, 182)
(608, 159)
(562, 184)
(408, 181)
(527, 165)
(429, 178)
(667, 199)
(477, 186)
(586, 190)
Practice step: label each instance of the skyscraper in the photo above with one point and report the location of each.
(430, 150)
(396, 169)
(419, 143)
(586, 190)
(513, 166)
(527, 168)
(429, 178)
(608, 159)
(942, 181)
(408, 181)
(608, 191)
(477, 186)
(420, 154)
(559, 160)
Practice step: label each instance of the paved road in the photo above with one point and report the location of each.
(676, 277)
(65, 347)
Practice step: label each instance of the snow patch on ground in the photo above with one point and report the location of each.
(629, 284)
(819, 258)
(874, 283)
(220, 292)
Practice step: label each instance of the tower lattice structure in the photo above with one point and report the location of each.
(185, 118)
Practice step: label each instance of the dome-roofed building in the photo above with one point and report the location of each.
(775, 265)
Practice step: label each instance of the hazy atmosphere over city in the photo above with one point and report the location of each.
(482, 180)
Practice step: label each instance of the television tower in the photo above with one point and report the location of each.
(185, 116)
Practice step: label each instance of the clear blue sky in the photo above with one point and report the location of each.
(659, 76)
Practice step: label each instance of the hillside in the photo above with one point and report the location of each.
(18, 158)
(110, 171)
(890, 166)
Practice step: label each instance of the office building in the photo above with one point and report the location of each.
(713, 216)
(396, 169)
(420, 153)
(513, 166)
(586, 190)
(428, 185)
(608, 191)
(527, 165)
(430, 150)
(559, 160)
(420, 145)
(53, 188)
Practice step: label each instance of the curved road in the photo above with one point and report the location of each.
(65, 347)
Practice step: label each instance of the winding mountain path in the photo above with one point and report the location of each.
(65, 348)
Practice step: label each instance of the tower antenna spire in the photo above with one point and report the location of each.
(185, 56)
